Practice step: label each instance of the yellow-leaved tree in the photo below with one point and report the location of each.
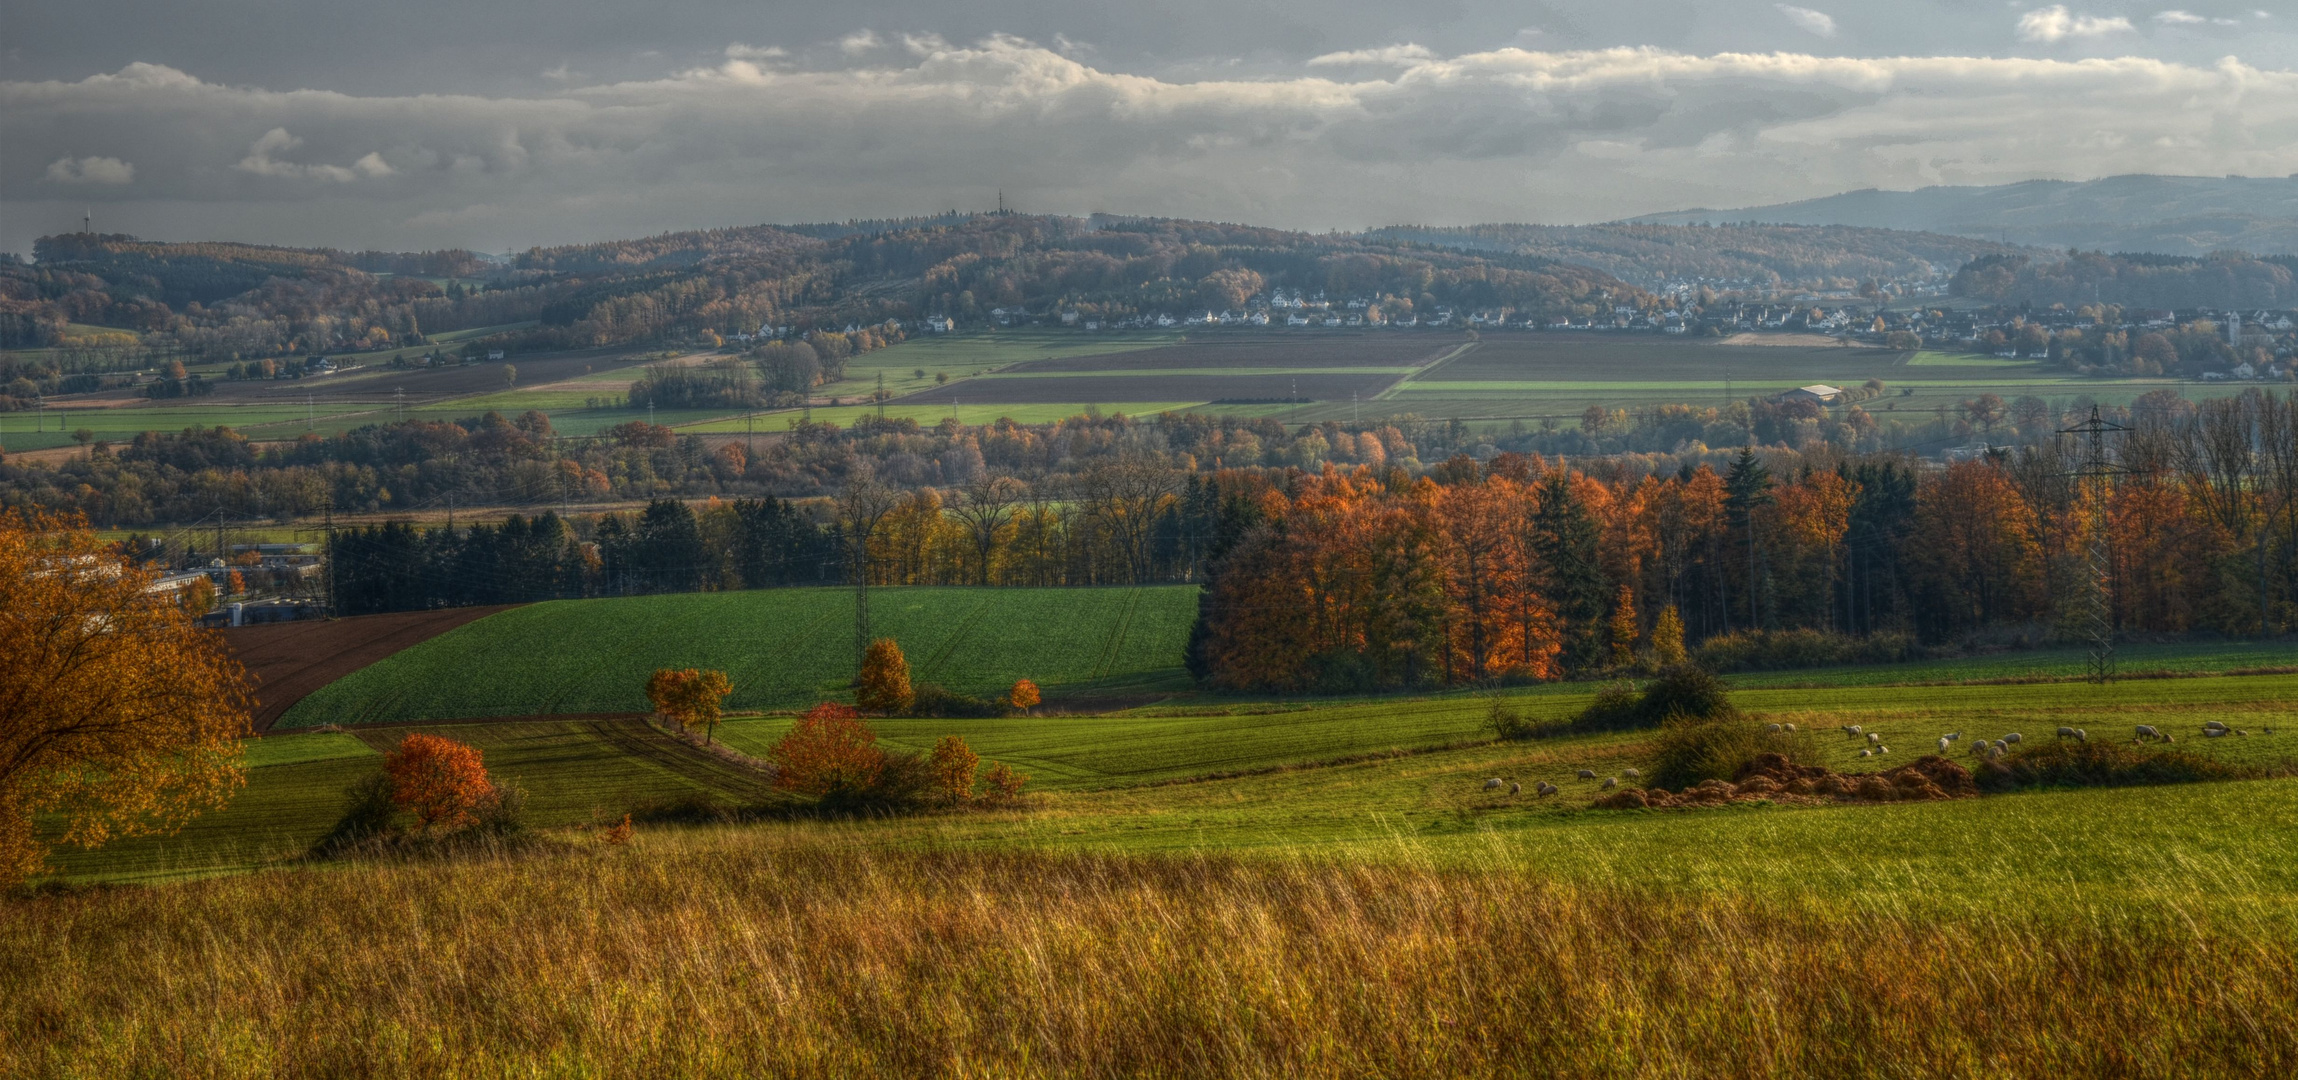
(118, 713)
(885, 683)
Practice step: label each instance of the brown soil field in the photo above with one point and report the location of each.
(291, 659)
(380, 386)
(1384, 349)
(1122, 388)
(1628, 358)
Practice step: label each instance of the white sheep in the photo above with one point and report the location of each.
(1884, 750)
(2149, 731)
(2213, 723)
(1944, 743)
(1492, 783)
(1874, 738)
(1515, 789)
(2082, 735)
(1544, 789)
(1789, 728)
(1850, 731)
(1772, 728)
(2212, 733)
(2014, 738)
(1954, 734)
(1587, 774)
(1867, 753)
(1633, 773)
(1611, 782)
(1994, 751)
(2066, 733)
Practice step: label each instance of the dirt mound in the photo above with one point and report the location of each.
(1773, 778)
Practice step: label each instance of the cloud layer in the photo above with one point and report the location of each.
(914, 125)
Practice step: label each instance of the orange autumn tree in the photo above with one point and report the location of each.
(1023, 696)
(690, 697)
(119, 716)
(1624, 628)
(440, 781)
(829, 752)
(884, 685)
(954, 764)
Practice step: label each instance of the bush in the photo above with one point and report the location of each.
(935, 701)
(442, 782)
(829, 754)
(1685, 691)
(1690, 750)
(1779, 650)
(1508, 722)
(367, 813)
(2097, 764)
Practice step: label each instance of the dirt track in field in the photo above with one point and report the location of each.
(292, 659)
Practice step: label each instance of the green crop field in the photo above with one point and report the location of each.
(783, 648)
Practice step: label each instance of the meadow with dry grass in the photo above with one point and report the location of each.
(815, 951)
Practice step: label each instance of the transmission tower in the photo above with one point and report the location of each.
(2097, 474)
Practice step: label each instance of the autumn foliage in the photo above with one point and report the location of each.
(829, 752)
(1024, 695)
(440, 781)
(690, 697)
(954, 765)
(118, 716)
(1004, 784)
(884, 686)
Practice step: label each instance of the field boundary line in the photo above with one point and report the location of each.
(933, 664)
(1457, 352)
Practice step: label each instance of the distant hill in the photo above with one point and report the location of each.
(2172, 215)
(1829, 256)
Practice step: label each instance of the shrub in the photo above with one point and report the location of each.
(1685, 691)
(1509, 722)
(367, 813)
(1004, 784)
(954, 765)
(2097, 764)
(1690, 750)
(904, 780)
(617, 835)
(884, 685)
(830, 753)
(936, 701)
(442, 782)
(1779, 650)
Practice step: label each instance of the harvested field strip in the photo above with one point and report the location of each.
(290, 660)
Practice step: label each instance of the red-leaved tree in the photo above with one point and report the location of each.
(830, 751)
(440, 781)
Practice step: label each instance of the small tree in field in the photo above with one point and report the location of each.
(691, 697)
(1668, 638)
(1624, 628)
(954, 764)
(830, 751)
(1023, 695)
(1004, 784)
(885, 683)
(440, 781)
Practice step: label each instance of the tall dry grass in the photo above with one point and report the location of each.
(774, 952)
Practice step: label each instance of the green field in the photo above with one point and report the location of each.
(783, 648)
(961, 355)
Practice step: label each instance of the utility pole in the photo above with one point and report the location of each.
(881, 397)
(2097, 476)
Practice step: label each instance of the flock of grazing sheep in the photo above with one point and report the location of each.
(2212, 729)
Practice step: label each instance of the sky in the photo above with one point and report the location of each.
(512, 123)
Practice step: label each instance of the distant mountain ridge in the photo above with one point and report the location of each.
(2172, 215)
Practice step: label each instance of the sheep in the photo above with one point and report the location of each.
(1944, 743)
(1874, 738)
(1789, 728)
(1544, 789)
(2148, 731)
(2244, 734)
(1515, 789)
(1994, 751)
(1587, 774)
(1492, 783)
(1631, 773)
(2082, 735)
(1884, 750)
(1867, 753)
(2014, 738)
(2212, 733)
(1611, 782)
(1955, 735)
(1850, 731)
(1771, 729)
(2066, 733)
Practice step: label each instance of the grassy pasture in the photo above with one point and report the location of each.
(783, 648)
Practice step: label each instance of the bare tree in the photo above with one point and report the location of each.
(1127, 496)
(861, 508)
(985, 505)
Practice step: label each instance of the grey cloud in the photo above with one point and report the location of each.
(916, 125)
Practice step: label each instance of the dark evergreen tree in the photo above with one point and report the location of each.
(1565, 539)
